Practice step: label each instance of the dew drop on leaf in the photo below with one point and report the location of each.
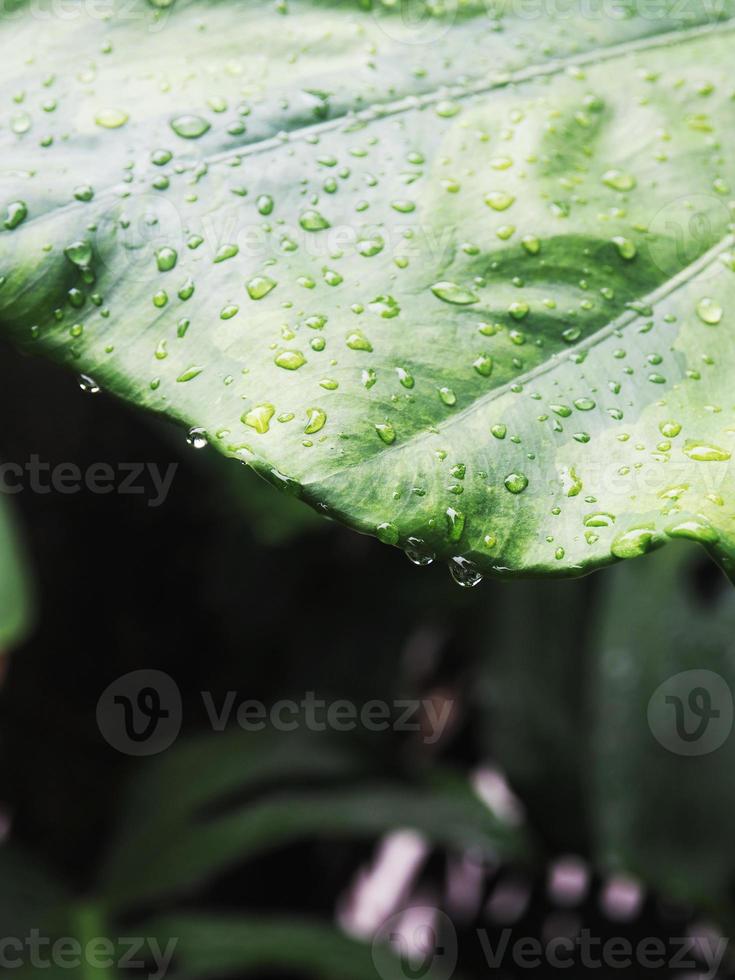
(450, 292)
(709, 311)
(516, 482)
(190, 127)
(260, 286)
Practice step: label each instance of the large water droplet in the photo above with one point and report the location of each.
(190, 127)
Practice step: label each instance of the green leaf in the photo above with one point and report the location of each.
(578, 719)
(213, 947)
(15, 596)
(659, 803)
(248, 799)
(453, 284)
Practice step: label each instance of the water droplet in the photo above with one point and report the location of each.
(386, 432)
(385, 306)
(197, 438)
(499, 431)
(450, 292)
(447, 396)
(483, 365)
(455, 523)
(84, 192)
(669, 429)
(704, 452)
(79, 254)
(499, 200)
(618, 180)
(264, 204)
(600, 519)
(516, 482)
(312, 220)
(190, 127)
(259, 417)
(193, 372)
(626, 248)
(166, 258)
(387, 533)
(111, 118)
(225, 252)
(634, 542)
(317, 417)
(291, 360)
(694, 530)
(356, 340)
(464, 572)
(709, 311)
(531, 244)
(88, 385)
(368, 247)
(446, 108)
(17, 212)
(260, 286)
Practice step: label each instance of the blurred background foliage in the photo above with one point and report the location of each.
(256, 851)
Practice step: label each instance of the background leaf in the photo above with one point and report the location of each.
(15, 595)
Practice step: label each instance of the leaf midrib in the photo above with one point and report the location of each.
(661, 293)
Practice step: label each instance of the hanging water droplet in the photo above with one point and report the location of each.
(464, 572)
(694, 530)
(197, 438)
(88, 385)
(634, 542)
